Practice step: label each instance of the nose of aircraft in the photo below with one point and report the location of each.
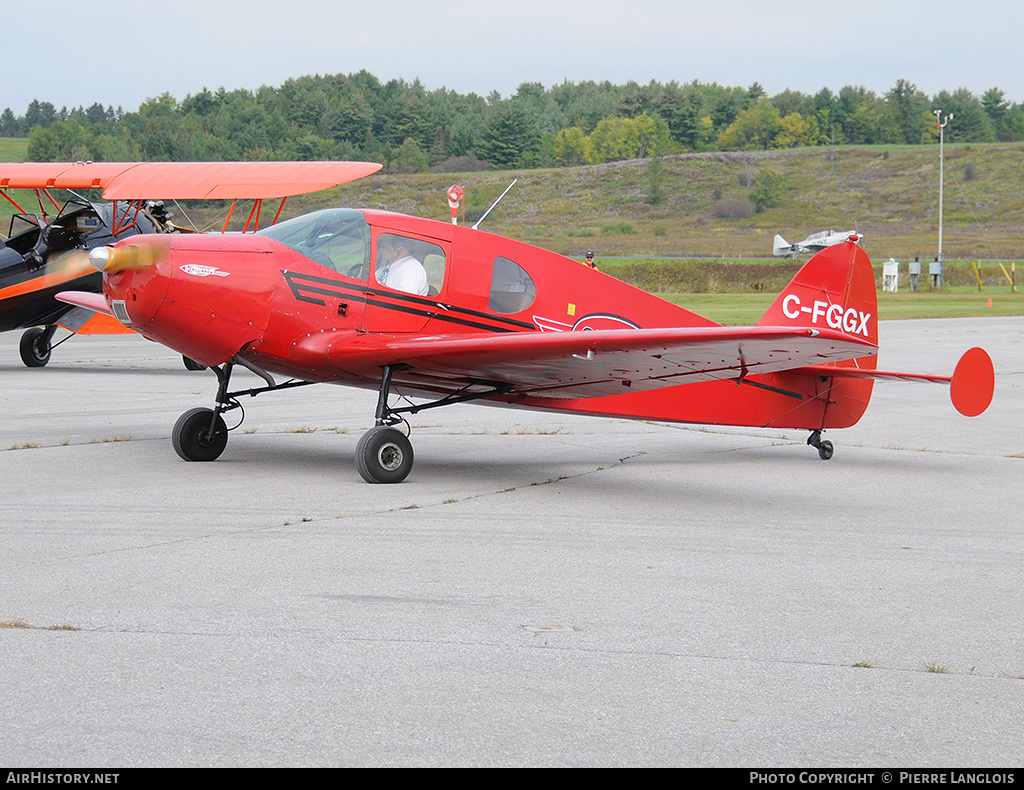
(204, 296)
(133, 278)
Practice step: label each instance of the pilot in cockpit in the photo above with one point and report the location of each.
(397, 267)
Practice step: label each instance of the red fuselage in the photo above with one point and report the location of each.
(290, 298)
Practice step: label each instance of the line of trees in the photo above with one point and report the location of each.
(411, 129)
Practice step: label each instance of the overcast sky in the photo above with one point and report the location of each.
(120, 53)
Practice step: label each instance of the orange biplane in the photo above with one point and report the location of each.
(34, 261)
(447, 314)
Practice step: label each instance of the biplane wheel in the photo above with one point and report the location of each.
(825, 450)
(192, 439)
(384, 455)
(35, 347)
(191, 364)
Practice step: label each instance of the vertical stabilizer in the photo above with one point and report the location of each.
(835, 289)
(781, 246)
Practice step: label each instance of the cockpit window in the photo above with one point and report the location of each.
(336, 238)
(412, 265)
(512, 289)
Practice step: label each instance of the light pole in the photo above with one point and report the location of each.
(941, 125)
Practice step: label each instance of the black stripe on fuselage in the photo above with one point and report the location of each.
(305, 288)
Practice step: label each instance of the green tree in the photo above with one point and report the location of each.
(8, 123)
(409, 158)
(62, 141)
(996, 106)
(572, 147)
(971, 123)
(910, 112)
(769, 189)
(754, 129)
(616, 139)
(511, 139)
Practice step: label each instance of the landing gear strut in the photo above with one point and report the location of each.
(825, 448)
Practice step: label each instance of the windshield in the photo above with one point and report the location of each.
(338, 238)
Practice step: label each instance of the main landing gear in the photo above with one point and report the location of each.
(825, 448)
(383, 455)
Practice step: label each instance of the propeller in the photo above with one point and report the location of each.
(63, 267)
(111, 260)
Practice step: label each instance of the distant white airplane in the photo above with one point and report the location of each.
(814, 242)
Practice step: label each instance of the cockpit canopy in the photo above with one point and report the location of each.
(338, 238)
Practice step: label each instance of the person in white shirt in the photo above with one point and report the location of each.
(404, 272)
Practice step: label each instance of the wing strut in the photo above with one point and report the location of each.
(388, 416)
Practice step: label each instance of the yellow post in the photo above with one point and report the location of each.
(977, 273)
(1010, 277)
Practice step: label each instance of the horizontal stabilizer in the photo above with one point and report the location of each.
(971, 385)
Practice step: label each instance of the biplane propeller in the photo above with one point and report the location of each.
(38, 257)
(429, 314)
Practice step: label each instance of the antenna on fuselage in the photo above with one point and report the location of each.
(495, 203)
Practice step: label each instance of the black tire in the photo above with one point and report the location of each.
(825, 450)
(35, 347)
(191, 436)
(384, 455)
(191, 364)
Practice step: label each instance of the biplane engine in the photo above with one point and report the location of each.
(151, 281)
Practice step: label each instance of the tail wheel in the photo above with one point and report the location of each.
(35, 347)
(384, 455)
(193, 439)
(824, 448)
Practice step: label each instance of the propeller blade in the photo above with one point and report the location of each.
(111, 260)
(63, 268)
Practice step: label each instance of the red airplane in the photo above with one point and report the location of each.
(419, 308)
(34, 264)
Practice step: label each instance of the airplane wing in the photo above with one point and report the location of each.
(185, 180)
(589, 363)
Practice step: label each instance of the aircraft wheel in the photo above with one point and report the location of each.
(192, 439)
(35, 347)
(384, 455)
(825, 450)
(191, 364)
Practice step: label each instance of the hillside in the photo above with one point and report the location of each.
(667, 207)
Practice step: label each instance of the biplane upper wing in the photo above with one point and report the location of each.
(185, 180)
(592, 363)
